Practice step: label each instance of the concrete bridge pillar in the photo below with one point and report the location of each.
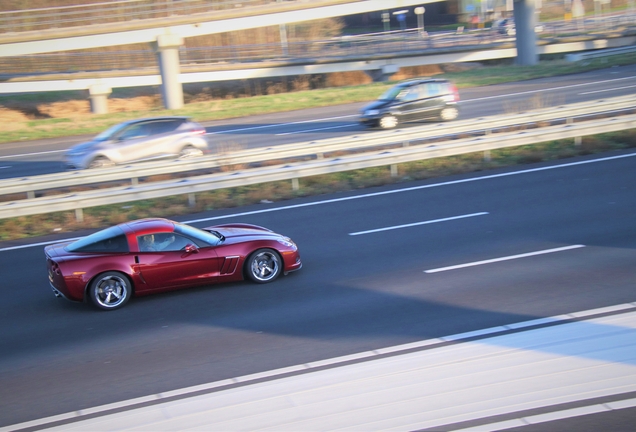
(384, 73)
(98, 94)
(167, 49)
(525, 22)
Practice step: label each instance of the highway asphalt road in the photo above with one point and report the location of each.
(41, 157)
(382, 267)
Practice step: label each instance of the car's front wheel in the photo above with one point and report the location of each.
(263, 266)
(110, 290)
(100, 162)
(388, 121)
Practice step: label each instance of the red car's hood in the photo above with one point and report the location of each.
(238, 232)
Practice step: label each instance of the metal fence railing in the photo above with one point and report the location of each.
(111, 12)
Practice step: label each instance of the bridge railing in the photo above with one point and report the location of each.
(110, 12)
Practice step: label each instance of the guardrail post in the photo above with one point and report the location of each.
(79, 215)
(394, 170)
(134, 181)
(30, 194)
(192, 200)
(487, 157)
(295, 184)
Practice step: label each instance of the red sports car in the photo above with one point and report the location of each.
(153, 255)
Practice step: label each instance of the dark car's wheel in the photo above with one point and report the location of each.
(263, 266)
(449, 113)
(110, 290)
(100, 162)
(388, 121)
(189, 151)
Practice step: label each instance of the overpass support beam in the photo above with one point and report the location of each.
(98, 94)
(384, 73)
(525, 22)
(167, 49)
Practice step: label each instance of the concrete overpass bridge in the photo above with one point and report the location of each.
(167, 34)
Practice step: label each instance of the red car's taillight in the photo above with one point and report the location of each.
(455, 93)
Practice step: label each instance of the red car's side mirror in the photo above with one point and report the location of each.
(191, 248)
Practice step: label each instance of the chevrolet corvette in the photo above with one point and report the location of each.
(152, 255)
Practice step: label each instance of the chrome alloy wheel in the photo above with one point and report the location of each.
(110, 290)
(264, 266)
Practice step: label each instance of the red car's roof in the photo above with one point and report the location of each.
(142, 226)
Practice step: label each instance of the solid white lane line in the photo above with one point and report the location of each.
(606, 90)
(511, 257)
(10, 248)
(31, 154)
(545, 90)
(282, 124)
(317, 130)
(418, 223)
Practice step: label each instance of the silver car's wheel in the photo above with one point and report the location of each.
(449, 113)
(110, 290)
(189, 151)
(100, 162)
(388, 122)
(263, 266)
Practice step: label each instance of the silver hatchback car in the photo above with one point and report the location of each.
(140, 140)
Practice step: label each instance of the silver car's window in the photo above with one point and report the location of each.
(110, 132)
(138, 130)
(164, 126)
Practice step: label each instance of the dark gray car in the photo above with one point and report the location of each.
(140, 140)
(411, 101)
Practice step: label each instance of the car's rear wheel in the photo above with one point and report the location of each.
(388, 122)
(263, 266)
(110, 290)
(189, 151)
(449, 113)
(100, 162)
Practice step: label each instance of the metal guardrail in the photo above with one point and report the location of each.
(31, 185)
(600, 53)
(294, 171)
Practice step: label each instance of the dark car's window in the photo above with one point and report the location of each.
(201, 238)
(392, 93)
(111, 239)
